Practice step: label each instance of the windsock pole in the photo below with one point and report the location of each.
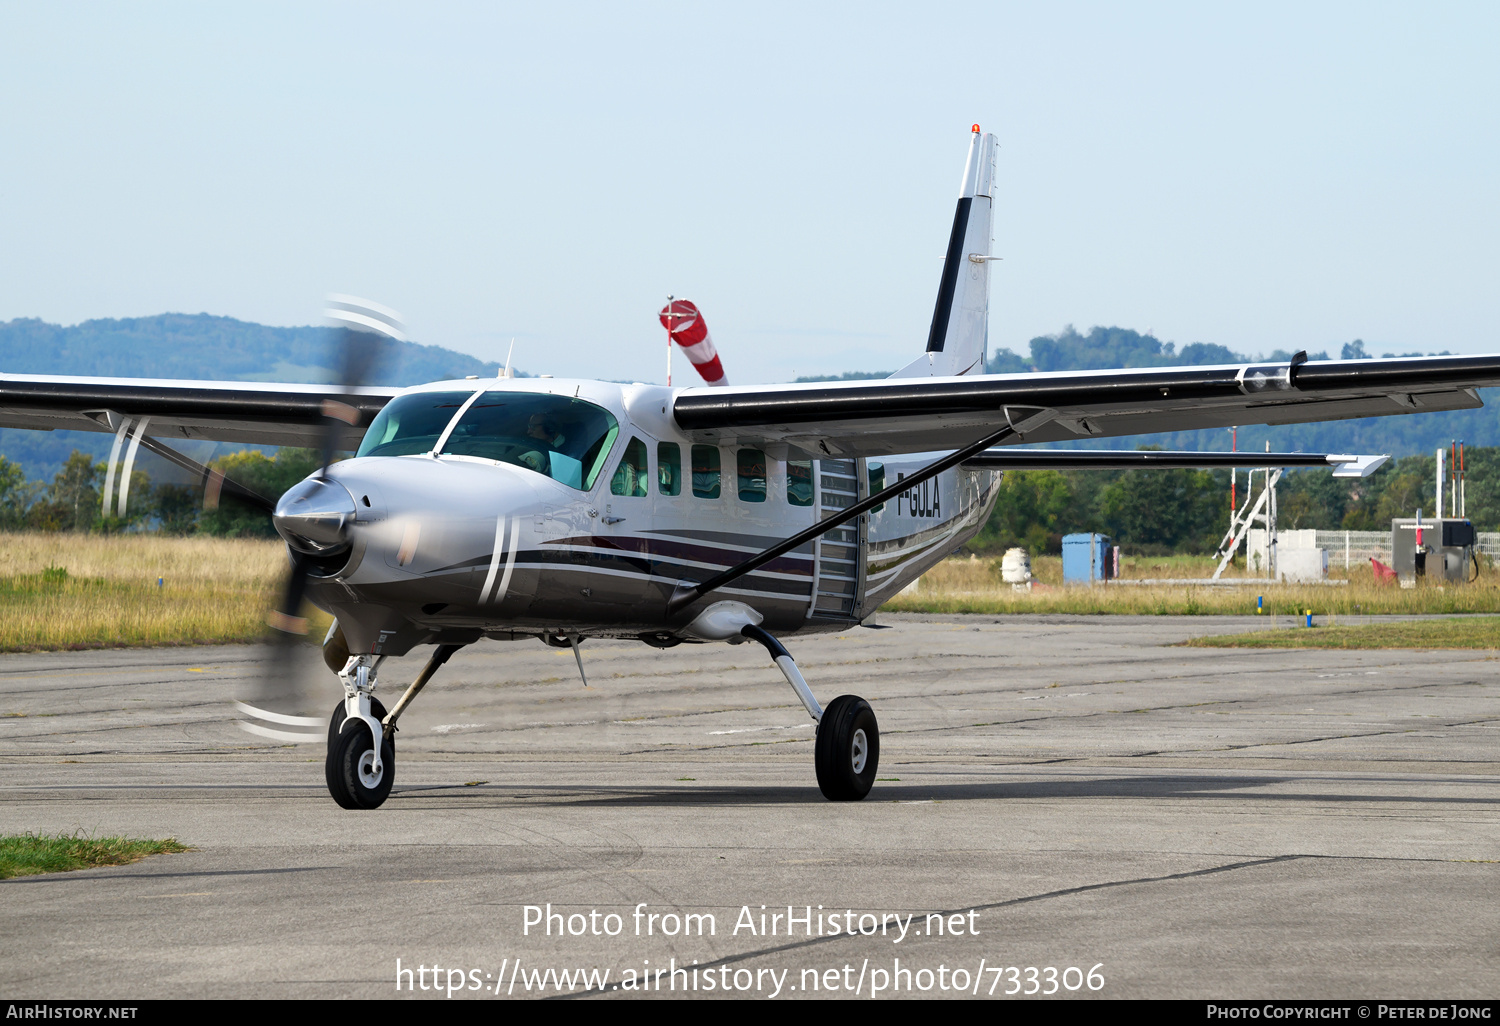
(669, 340)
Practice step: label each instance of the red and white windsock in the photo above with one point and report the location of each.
(686, 326)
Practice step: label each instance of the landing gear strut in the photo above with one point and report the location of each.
(847, 751)
(359, 776)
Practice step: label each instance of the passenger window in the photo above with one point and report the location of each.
(630, 475)
(668, 468)
(876, 472)
(706, 471)
(752, 474)
(799, 483)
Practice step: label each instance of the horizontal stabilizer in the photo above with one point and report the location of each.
(1155, 459)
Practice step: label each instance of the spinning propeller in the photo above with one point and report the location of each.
(314, 518)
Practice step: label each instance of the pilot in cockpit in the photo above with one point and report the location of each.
(542, 428)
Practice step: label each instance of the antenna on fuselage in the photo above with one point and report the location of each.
(506, 372)
(575, 641)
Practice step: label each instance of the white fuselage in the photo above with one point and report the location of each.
(453, 547)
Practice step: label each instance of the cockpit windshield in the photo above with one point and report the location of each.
(411, 424)
(566, 439)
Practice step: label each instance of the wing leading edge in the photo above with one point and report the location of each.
(222, 411)
(890, 416)
(1343, 464)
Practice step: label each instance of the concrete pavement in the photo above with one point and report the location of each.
(1194, 822)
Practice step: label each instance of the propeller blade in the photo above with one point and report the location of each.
(314, 517)
(358, 327)
(286, 616)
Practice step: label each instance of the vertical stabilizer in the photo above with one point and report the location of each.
(959, 335)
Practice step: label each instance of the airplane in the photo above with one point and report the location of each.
(563, 509)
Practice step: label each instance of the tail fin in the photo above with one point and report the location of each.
(959, 337)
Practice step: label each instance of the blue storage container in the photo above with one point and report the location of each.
(1086, 558)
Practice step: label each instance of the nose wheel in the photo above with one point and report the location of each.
(354, 780)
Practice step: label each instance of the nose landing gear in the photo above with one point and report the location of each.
(356, 780)
(358, 776)
(847, 751)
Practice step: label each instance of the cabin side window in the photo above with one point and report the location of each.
(799, 483)
(668, 468)
(632, 473)
(705, 471)
(876, 472)
(750, 465)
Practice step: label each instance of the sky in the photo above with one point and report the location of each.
(1269, 176)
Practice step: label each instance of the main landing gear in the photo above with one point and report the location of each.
(359, 776)
(847, 751)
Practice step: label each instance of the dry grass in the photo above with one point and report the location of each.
(972, 585)
(193, 561)
(60, 591)
(100, 591)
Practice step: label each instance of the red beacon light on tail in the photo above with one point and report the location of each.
(686, 327)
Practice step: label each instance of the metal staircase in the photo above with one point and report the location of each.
(837, 577)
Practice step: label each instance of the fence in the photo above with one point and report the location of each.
(1350, 548)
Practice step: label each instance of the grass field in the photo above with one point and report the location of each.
(973, 585)
(29, 854)
(1475, 632)
(60, 591)
(100, 591)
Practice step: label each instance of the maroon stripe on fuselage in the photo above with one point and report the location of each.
(798, 565)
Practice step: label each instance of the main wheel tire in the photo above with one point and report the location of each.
(847, 751)
(347, 767)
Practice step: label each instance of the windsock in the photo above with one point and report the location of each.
(686, 326)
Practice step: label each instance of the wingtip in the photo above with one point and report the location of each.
(1349, 465)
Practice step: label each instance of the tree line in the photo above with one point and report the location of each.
(74, 499)
(1107, 348)
(1157, 512)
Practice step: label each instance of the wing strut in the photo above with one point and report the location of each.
(685, 594)
(215, 483)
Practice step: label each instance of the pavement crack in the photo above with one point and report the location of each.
(1064, 892)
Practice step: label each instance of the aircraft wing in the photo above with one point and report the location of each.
(902, 415)
(1343, 464)
(222, 411)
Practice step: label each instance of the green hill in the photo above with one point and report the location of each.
(187, 346)
(222, 348)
